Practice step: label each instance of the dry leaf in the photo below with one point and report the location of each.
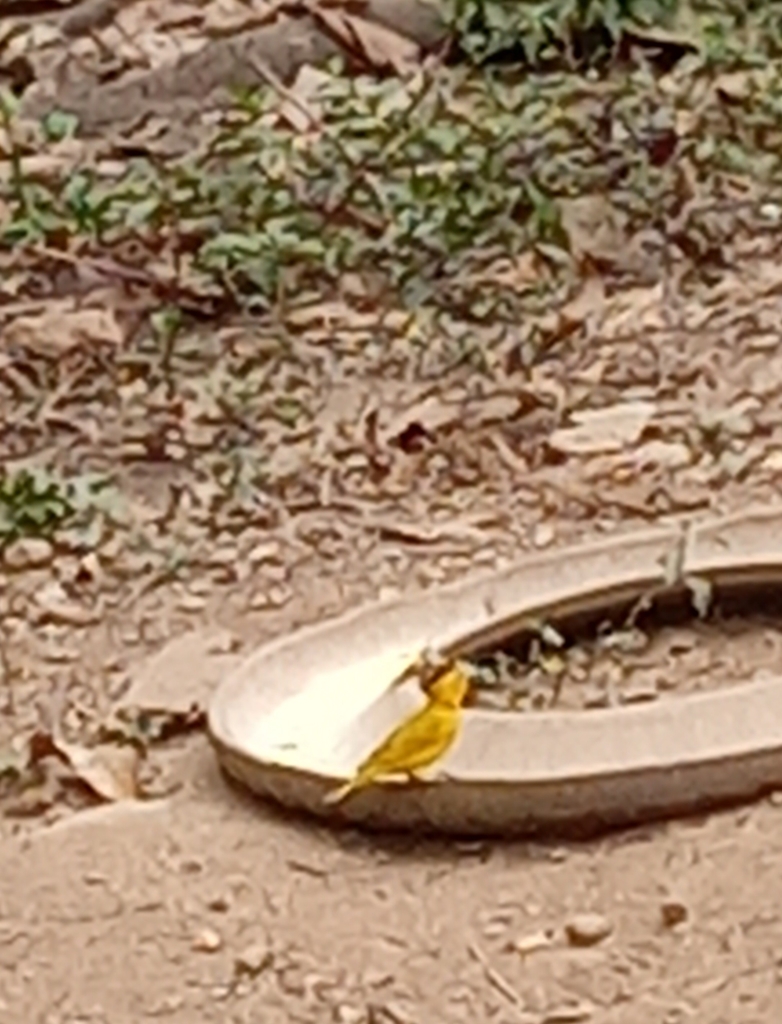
(301, 107)
(379, 47)
(418, 422)
(533, 942)
(633, 310)
(60, 328)
(604, 430)
(409, 533)
(520, 272)
(734, 86)
(594, 228)
(107, 770)
(54, 605)
(383, 48)
(668, 454)
(588, 303)
(143, 726)
(701, 593)
(111, 772)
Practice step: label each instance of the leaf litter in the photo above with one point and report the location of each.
(44, 768)
(632, 660)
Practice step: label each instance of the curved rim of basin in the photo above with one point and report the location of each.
(299, 714)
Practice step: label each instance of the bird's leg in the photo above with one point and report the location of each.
(416, 776)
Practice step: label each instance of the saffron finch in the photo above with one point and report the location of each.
(420, 740)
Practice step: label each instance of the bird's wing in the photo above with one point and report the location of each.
(416, 743)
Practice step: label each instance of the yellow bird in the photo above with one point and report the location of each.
(420, 740)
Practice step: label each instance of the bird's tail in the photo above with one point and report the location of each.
(336, 796)
(365, 776)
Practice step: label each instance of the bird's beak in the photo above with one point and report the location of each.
(426, 666)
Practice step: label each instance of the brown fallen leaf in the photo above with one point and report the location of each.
(634, 310)
(604, 430)
(61, 328)
(144, 726)
(586, 304)
(416, 424)
(54, 605)
(372, 44)
(32, 801)
(460, 532)
(734, 87)
(383, 48)
(109, 771)
(595, 228)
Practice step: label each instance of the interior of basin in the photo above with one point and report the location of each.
(328, 725)
(633, 652)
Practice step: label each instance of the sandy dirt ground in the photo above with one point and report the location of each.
(207, 906)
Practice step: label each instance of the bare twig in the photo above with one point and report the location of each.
(497, 981)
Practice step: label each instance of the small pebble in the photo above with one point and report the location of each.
(639, 693)
(347, 1014)
(224, 557)
(90, 567)
(166, 1006)
(263, 552)
(207, 941)
(219, 904)
(568, 1013)
(276, 573)
(596, 697)
(221, 992)
(252, 960)
(543, 535)
(485, 556)
(673, 912)
(587, 929)
(275, 597)
(192, 602)
(55, 606)
(223, 642)
(533, 942)
(28, 553)
(493, 929)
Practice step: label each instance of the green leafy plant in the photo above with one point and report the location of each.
(546, 32)
(34, 503)
(426, 184)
